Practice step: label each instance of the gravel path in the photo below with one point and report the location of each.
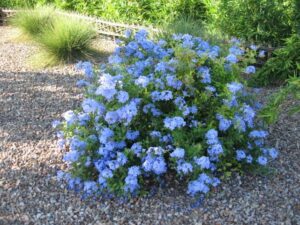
(29, 194)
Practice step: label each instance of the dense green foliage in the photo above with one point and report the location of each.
(197, 28)
(62, 38)
(140, 12)
(261, 21)
(284, 63)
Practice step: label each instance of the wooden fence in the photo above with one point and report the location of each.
(103, 27)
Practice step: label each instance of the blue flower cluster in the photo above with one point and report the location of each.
(157, 107)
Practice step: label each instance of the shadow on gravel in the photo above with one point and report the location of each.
(31, 101)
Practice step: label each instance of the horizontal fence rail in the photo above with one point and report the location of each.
(103, 27)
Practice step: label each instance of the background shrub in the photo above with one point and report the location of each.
(261, 21)
(197, 28)
(284, 63)
(140, 12)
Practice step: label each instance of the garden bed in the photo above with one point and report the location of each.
(32, 98)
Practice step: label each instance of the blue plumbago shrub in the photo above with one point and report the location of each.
(159, 108)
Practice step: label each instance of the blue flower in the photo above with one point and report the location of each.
(77, 145)
(131, 48)
(250, 69)
(200, 185)
(210, 88)
(203, 162)
(155, 164)
(115, 59)
(173, 82)
(240, 155)
(273, 153)
(90, 187)
(55, 123)
(262, 54)
(142, 81)
(155, 134)
(166, 138)
(161, 96)
(214, 151)
(180, 102)
(106, 173)
(141, 34)
(107, 92)
(196, 186)
(239, 123)
(72, 156)
(70, 117)
(234, 87)
(134, 171)
(234, 50)
(178, 153)
(132, 135)
(87, 67)
(131, 184)
(83, 119)
(262, 160)
(82, 83)
(127, 33)
(121, 158)
(173, 123)
(248, 114)
(212, 137)
(258, 134)
(136, 148)
(105, 135)
(92, 106)
(112, 117)
(231, 58)
(128, 112)
(122, 96)
(249, 159)
(253, 47)
(184, 167)
(204, 71)
(224, 124)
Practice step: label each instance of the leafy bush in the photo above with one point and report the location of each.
(140, 12)
(262, 21)
(32, 22)
(197, 28)
(161, 108)
(272, 110)
(16, 3)
(67, 40)
(284, 63)
(181, 26)
(145, 12)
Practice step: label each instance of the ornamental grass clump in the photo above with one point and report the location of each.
(161, 109)
(61, 37)
(67, 40)
(32, 22)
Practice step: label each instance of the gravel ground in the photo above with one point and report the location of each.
(29, 194)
